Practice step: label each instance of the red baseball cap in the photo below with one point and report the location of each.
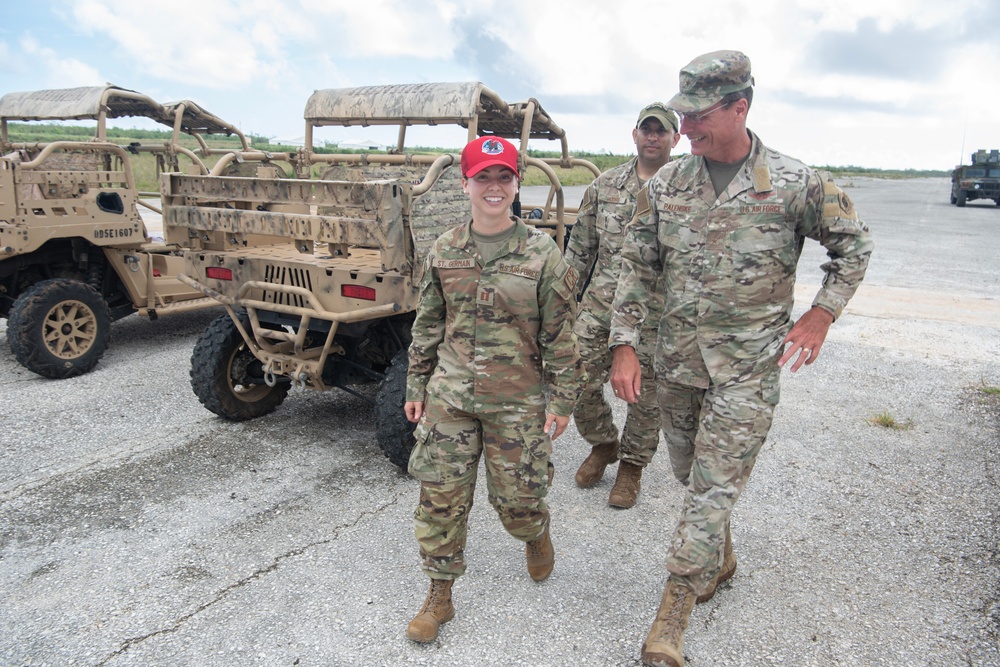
(488, 151)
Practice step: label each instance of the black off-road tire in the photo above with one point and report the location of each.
(954, 199)
(227, 378)
(59, 328)
(962, 196)
(393, 431)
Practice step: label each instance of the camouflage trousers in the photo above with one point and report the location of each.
(641, 435)
(516, 451)
(713, 437)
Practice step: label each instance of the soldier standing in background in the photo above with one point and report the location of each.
(595, 245)
(493, 335)
(720, 232)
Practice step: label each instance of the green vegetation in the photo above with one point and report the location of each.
(984, 388)
(886, 420)
(47, 132)
(144, 166)
(893, 174)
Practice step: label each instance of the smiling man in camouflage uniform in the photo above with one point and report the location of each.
(595, 248)
(720, 232)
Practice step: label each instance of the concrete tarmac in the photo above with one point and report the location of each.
(137, 528)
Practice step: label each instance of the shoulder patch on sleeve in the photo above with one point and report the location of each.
(836, 203)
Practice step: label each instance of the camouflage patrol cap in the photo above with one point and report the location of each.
(660, 112)
(710, 77)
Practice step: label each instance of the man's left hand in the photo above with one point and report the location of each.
(806, 337)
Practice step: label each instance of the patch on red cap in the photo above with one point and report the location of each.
(492, 147)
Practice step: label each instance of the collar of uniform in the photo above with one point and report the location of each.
(463, 237)
(626, 173)
(755, 176)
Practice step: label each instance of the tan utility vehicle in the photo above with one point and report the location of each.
(74, 252)
(330, 303)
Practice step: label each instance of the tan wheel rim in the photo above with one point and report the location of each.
(70, 329)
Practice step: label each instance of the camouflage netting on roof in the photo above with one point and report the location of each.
(77, 104)
(197, 120)
(426, 104)
(85, 103)
(416, 103)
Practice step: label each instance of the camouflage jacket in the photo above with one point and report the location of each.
(596, 241)
(494, 338)
(727, 265)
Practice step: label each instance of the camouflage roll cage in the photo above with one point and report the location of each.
(100, 103)
(295, 253)
(471, 105)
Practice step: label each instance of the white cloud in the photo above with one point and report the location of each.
(57, 71)
(820, 95)
(219, 44)
(385, 28)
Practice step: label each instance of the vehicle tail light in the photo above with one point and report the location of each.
(357, 292)
(219, 273)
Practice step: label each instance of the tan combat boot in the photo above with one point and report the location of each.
(436, 611)
(626, 486)
(592, 469)
(541, 556)
(727, 571)
(664, 646)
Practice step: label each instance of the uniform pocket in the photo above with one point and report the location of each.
(424, 464)
(761, 238)
(536, 454)
(676, 237)
(763, 263)
(615, 209)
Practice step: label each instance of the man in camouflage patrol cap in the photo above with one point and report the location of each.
(595, 248)
(720, 233)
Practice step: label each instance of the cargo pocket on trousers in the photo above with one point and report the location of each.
(536, 456)
(423, 463)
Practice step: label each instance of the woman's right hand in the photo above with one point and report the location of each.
(414, 410)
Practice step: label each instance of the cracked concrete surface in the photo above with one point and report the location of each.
(136, 528)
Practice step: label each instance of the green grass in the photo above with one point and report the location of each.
(987, 389)
(144, 165)
(886, 420)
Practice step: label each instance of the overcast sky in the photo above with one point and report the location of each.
(875, 83)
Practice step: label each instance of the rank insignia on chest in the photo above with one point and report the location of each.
(484, 296)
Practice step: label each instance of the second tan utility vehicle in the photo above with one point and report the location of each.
(331, 303)
(75, 254)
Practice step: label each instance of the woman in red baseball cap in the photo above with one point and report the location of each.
(493, 375)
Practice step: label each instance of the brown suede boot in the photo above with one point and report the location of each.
(541, 556)
(727, 571)
(592, 469)
(626, 486)
(664, 646)
(437, 610)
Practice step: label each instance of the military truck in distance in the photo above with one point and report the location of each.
(978, 180)
(331, 302)
(74, 252)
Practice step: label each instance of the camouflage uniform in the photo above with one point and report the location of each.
(606, 210)
(726, 266)
(490, 344)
